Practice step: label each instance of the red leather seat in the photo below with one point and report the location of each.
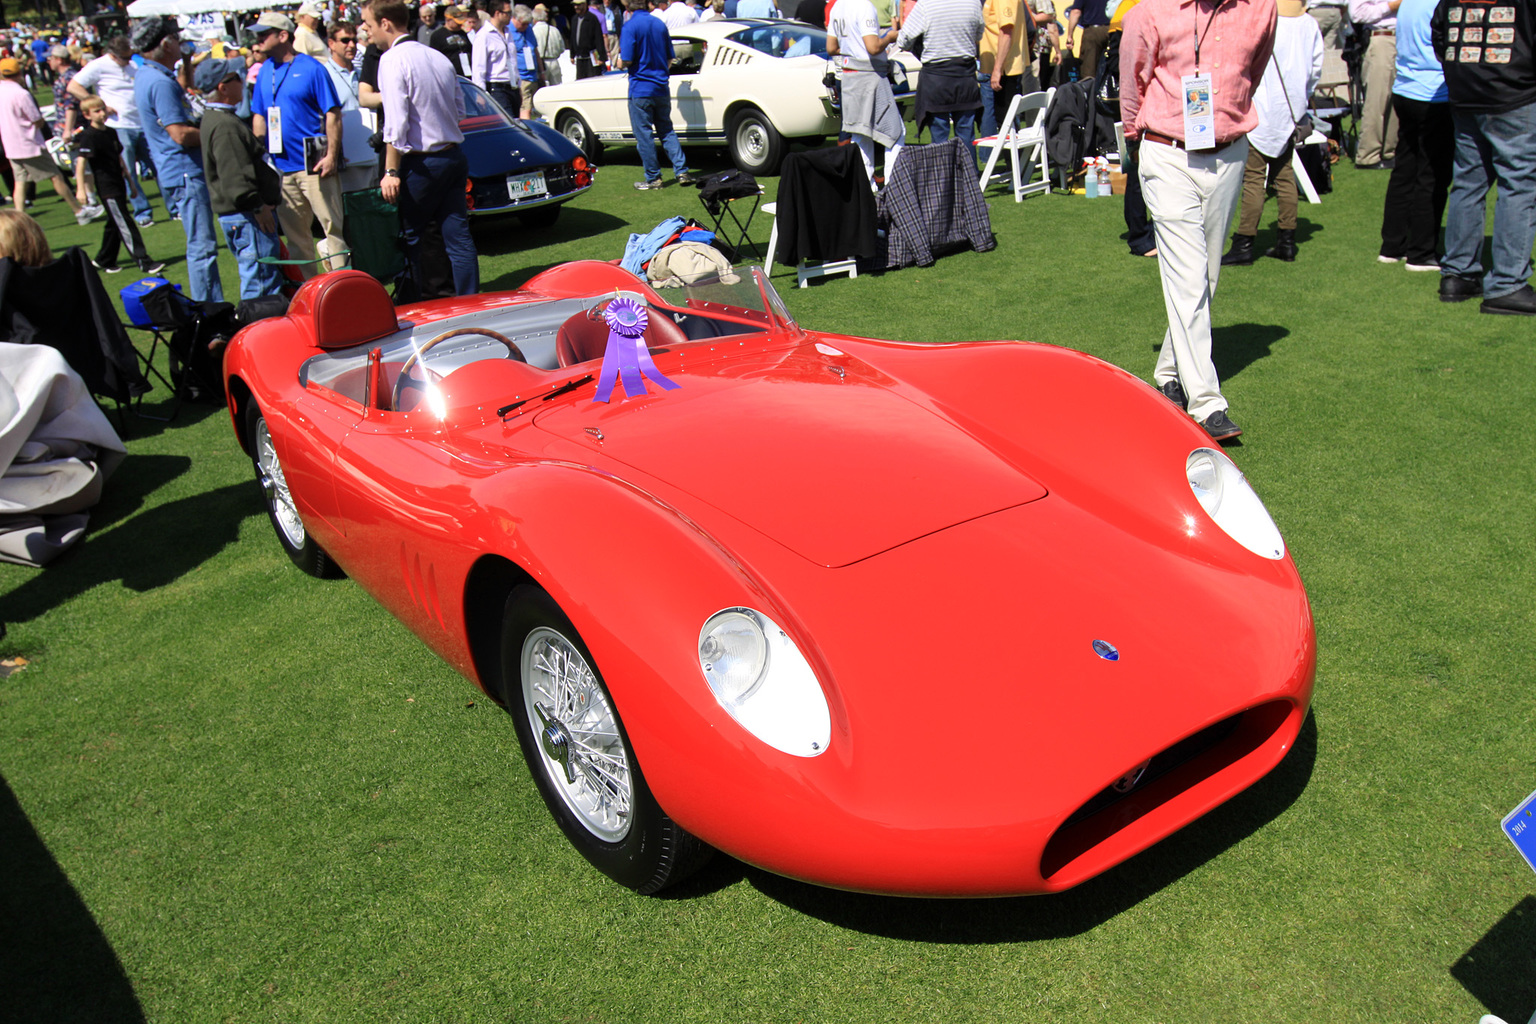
(345, 308)
(582, 337)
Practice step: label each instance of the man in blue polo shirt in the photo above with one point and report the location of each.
(530, 69)
(296, 110)
(645, 50)
(176, 147)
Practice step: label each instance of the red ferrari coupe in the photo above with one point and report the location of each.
(863, 613)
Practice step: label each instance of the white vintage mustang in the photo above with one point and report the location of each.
(751, 85)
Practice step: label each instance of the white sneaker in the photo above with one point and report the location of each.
(85, 216)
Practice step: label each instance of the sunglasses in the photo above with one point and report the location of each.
(344, 40)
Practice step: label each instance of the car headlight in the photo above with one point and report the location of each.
(760, 677)
(1227, 498)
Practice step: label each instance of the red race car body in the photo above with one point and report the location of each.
(868, 614)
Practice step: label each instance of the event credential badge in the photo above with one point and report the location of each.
(1520, 825)
(275, 130)
(1199, 115)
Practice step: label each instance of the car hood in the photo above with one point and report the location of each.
(836, 466)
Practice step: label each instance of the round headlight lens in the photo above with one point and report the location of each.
(1204, 479)
(761, 678)
(733, 651)
(1232, 504)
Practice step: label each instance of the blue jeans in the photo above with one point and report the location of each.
(135, 151)
(432, 193)
(965, 127)
(202, 244)
(988, 108)
(170, 194)
(1502, 148)
(249, 243)
(646, 112)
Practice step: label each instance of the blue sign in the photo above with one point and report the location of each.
(1520, 826)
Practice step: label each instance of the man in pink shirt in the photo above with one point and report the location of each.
(21, 130)
(1188, 69)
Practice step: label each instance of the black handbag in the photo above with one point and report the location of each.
(1315, 158)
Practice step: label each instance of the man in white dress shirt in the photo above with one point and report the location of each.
(493, 65)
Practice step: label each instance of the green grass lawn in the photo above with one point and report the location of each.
(230, 792)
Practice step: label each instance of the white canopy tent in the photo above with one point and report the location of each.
(146, 8)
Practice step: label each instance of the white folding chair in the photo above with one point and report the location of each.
(1023, 137)
(806, 270)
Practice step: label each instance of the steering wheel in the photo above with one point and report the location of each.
(404, 381)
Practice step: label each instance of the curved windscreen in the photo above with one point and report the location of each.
(783, 39)
(480, 111)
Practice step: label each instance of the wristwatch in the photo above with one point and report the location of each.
(391, 173)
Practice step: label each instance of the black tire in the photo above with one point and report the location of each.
(574, 127)
(291, 534)
(542, 655)
(756, 145)
(543, 217)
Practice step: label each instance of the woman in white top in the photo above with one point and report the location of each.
(1281, 101)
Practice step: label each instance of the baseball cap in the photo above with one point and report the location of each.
(210, 73)
(456, 12)
(10, 67)
(272, 21)
(62, 52)
(147, 33)
(311, 9)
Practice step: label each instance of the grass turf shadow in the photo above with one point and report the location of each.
(1497, 970)
(143, 551)
(1033, 918)
(1236, 347)
(504, 235)
(55, 963)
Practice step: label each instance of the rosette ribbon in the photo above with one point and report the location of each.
(626, 357)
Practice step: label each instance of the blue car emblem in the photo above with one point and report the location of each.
(1106, 650)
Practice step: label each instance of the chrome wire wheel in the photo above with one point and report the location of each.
(273, 483)
(581, 751)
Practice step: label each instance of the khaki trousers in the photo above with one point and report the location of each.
(1255, 175)
(1190, 197)
(1378, 125)
(1091, 49)
(307, 197)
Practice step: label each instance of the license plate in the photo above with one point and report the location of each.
(526, 186)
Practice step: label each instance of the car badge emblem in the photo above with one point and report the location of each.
(1106, 650)
(1128, 781)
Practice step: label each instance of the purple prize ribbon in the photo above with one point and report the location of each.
(626, 357)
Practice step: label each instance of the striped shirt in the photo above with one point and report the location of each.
(948, 29)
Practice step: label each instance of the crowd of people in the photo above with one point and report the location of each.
(264, 140)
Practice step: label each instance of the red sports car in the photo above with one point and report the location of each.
(862, 613)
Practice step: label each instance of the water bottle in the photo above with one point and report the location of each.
(1090, 180)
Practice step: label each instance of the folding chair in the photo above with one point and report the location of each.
(824, 218)
(725, 219)
(63, 304)
(194, 348)
(1337, 97)
(806, 270)
(1023, 137)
